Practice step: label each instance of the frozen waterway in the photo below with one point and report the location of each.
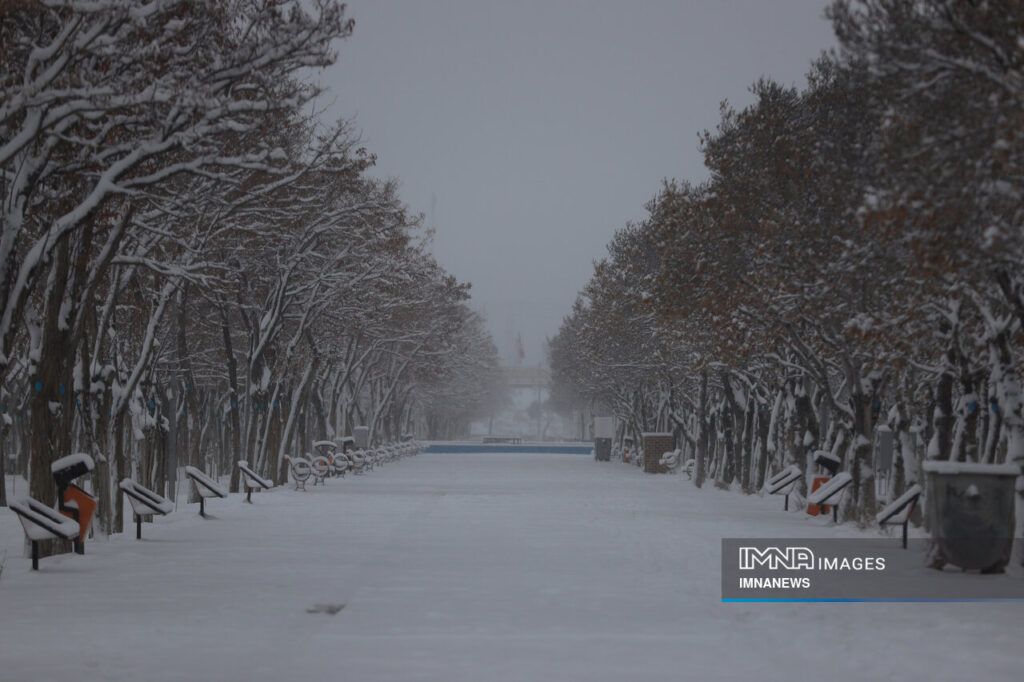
(465, 567)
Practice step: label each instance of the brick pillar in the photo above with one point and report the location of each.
(655, 445)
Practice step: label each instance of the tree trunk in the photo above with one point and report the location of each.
(234, 403)
(702, 431)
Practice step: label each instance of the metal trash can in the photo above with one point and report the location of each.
(971, 513)
(604, 431)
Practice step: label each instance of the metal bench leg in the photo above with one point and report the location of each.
(35, 555)
(785, 506)
(248, 495)
(138, 527)
(835, 513)
(202, 506)
(905, 532)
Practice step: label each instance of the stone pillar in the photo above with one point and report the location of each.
(654, 446)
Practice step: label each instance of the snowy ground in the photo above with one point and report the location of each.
(465, 567)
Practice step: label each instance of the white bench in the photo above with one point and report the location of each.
(252, 481)
(301, 469)
(205, 487)
(144, 502)
(321, 470)
(831, 493)
(341, 463)
(899, 510)
(670, 460)
(782, 483)
(43, 523)
(358, 458)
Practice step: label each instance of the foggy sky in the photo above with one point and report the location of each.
(528, 132)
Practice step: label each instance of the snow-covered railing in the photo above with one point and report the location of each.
(831, 493)
(144, 502)
(204, 487)
(42, 523)
(899, 510)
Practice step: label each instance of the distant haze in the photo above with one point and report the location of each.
(528, 132)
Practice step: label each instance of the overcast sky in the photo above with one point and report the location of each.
(528, 132)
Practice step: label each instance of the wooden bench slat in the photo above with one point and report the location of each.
(151, 502)
(252, 477)
(206, 486)
(898, 510)
(833, 488)
(43, 523)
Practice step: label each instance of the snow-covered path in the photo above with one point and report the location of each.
(465, 567)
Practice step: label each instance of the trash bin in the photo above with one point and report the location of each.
(361, 436)
(971, 513)
(603, 449)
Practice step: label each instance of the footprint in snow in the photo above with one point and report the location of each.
(329, 609)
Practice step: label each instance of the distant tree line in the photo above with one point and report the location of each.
(855, 261)
(191, 259)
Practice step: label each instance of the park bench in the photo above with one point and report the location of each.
(331, 450)
(359, 462)
(670, 460)
(144, 502)
(899, 510)
(321, 470)
(831, 493)
(783, 482)
(341, 464)
(43, 523)
(325, 448)
(204, 487)
(252, 481)
(300, 469)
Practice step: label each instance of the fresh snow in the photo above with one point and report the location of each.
(72, 460)
(464, 567)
